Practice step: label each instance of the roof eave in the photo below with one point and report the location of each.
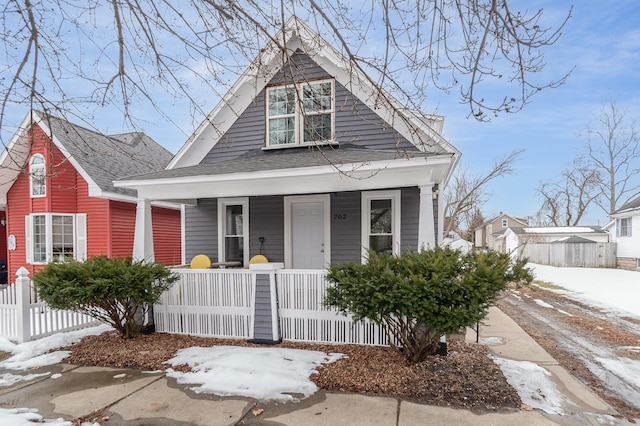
(319, 179)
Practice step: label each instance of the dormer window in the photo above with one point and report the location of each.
(300, 114)
(37, 176)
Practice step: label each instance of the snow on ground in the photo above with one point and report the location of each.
(543, 303)
(27, 417)
(283, 374)
(534, 385)
(260, 373)
(33, 354)
(614, 290)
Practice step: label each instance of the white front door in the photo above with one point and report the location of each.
(308, 232)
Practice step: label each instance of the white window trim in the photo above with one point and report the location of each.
(629, 228)
(33, 168)
(79, 236)
(298, 115)
(367, 197)
(505, 223)
(288, 233)
(222, 204)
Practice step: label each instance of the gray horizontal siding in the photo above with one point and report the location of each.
(201, 223)
(346, 222)
(354, 121)
(410, 212)
(266, 219)
(262, 327)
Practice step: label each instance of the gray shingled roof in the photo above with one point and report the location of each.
(265, 160)
(574, 239)
(631, 205)
(107, 158)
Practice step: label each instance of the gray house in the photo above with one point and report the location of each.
(305, 162)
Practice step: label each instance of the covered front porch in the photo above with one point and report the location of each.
(304, 216)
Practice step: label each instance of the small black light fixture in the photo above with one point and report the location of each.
(3, 221)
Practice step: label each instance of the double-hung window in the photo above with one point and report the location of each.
(623, 227)
(381, 222)
(37, 176)
(300, 114)
(55, 237)
(233, 226)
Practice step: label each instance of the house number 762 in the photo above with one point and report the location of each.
(340, 216)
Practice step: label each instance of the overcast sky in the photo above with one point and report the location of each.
(602, 42)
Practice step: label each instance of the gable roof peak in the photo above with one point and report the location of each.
(295, 36)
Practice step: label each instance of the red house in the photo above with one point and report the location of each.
(59, 201)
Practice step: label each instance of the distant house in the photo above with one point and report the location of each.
(305, 163)
(490, 234)
(625, 231)
(528, 241)
(58, 200)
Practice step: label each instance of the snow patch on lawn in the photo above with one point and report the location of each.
(267, 374)
(27, 417)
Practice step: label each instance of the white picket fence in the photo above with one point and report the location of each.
(303, 316)
(220, 302)
(23, 317)
(214, 303)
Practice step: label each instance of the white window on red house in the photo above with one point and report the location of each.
(300, 115)
(37, 176)
(55, 237)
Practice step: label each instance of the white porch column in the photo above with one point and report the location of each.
(426, 227)
(440, 213)
(143, 235)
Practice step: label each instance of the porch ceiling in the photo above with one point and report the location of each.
(195, 182)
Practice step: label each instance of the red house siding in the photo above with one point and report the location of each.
(97, 210)
(167, 240)
(18, 206)
(123, 220)
(110, 224)
(166, 232)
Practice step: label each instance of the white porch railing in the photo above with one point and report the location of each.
(220, 303)
(207, 302)
(24, 318)
(303, 316)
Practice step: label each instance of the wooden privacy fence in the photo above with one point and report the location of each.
(221, 302)
(586, 255)
(23, 317)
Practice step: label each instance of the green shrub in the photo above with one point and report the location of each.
(421, 296)
(117, 291)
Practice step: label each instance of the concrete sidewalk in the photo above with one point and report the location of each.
(133, 397)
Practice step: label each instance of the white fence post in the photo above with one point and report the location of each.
(23, 301)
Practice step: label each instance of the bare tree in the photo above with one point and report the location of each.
(566, 198)
(467, 193)
(613, 151)
(73, 58)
